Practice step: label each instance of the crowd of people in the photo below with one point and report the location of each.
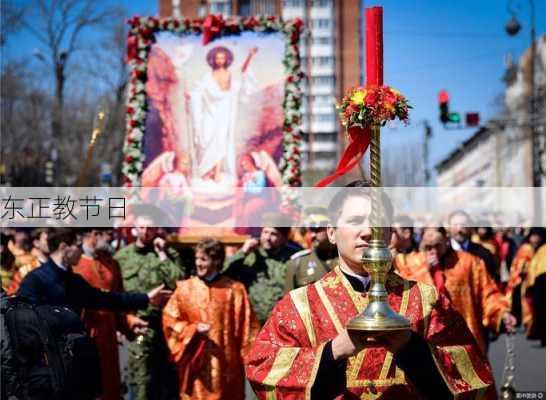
(278, 305)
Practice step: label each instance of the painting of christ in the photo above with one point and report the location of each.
(214, 112)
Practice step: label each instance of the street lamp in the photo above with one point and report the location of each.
(512, 28)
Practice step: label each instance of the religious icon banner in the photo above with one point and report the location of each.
(214, 107)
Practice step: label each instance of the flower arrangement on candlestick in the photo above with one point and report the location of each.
(365, 106)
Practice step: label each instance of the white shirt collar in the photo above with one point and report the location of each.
(363, 279)
(459, 246)
(61, 266)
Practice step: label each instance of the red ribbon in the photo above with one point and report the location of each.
(359, 140)
(211, 28)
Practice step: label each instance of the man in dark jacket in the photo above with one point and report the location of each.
(55, 283)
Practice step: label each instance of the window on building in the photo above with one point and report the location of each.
(220, 7)
(323, 40)
(244, 8)
(321, 23)
(323, 80)
(293, 3)
(321, 3)
(322, 61)
(323, 118)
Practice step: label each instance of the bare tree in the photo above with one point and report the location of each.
(110, 56)
(62, 27)
(11, 19)
(24, 116)
(400, 170)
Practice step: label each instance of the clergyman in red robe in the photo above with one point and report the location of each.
(304, 350)
(100, 270)
(209, 325)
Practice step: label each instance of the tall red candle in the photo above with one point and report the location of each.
(374, 46)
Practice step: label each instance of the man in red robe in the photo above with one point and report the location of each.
(404, 249)
(209, 325)
(100, 270)
(516, 289)
(305, 351)
(38, 255)
(464, 279)
(534, 287)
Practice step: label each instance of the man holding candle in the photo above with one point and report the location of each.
(304, 349)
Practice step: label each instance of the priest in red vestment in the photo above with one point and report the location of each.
(100, 270)
(304, 350)
(209, 325)
(517, 286)
(464, 279)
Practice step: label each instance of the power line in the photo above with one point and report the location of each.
(460, 61)
(438, 34)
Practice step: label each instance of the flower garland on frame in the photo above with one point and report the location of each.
(139, 43)
(360, 109)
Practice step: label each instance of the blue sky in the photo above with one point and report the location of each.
(429, 45)
(458, 46)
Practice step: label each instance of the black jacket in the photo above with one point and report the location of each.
(9, 367)
(50, 284)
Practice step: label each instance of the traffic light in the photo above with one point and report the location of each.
(443, 99)
(472, 119)
(454, 117)
(445, 115)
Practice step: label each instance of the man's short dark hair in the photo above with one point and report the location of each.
(56, 236)
(541, 232)
(37, 234)
(7, 259)
(404, 221)
(5, 238)
(439, 229)
(87, 230)
(358, 188)
(212, 248)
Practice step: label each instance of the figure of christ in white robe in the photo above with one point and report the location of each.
(214, 106)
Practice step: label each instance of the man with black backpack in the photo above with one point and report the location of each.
(8, 366)
(55, 358)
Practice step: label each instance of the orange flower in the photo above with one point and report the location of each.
(371, 98)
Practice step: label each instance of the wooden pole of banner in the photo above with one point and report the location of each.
(97, 130)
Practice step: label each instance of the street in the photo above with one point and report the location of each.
(530, 363)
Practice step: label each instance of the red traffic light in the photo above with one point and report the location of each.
(443, 96)
(472, 119)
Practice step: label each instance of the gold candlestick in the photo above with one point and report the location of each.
(377, 259)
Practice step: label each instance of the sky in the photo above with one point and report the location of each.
(429, 45)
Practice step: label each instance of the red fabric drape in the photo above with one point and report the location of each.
(359, 140)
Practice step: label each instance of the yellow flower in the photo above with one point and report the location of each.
(358, 97)
(396, 92)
